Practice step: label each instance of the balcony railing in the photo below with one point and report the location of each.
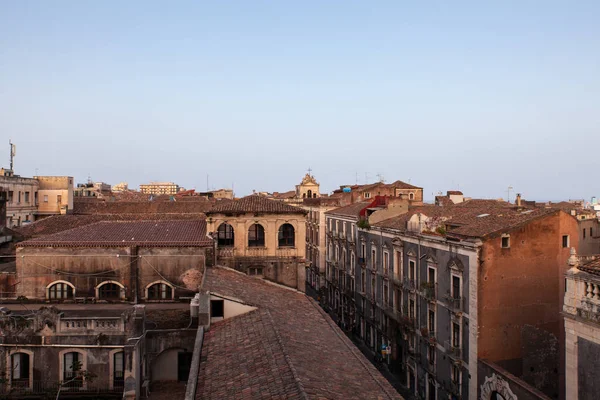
(397, 278)
(407, 322)
(455, 304)
(454, 352)
(23, 389)
(429, 290)
(408, 284)
(454, 388)
(361, 261)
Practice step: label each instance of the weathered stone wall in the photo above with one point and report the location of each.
(285, 271)
(181, 266)
(540, 359)
(588, 369)
(85, 268)
(492, 378)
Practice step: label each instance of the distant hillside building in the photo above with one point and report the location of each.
(120, 187)
(158, 188)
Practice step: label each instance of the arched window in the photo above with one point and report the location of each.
(309, 193)
(411, 196)
(60, 291)
(118, 370)
(72, 365)
(256, 236)
(225, 235)
(20, 363)
(109, 291)
(286, 236)
(160, 291)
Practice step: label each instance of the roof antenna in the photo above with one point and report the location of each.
(13, 153)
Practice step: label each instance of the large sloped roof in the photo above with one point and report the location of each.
(288, 333)
(128, 233)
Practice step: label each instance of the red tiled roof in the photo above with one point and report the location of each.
(254, 204)
(454, 192)
(181, 205)
(352, 210)
(59, 223)
(246, 343)
(443, 201)
(472, 218)
(285, 195)
(591, 266)
(128, 233)
(324, 362)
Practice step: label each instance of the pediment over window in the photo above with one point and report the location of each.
(411, 253)
(456, 265)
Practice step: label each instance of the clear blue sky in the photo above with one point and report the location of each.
(446, 94)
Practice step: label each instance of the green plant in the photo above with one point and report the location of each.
(441, 230)
(364, 224)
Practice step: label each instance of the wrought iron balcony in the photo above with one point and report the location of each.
(409, 284)
(455, 303)
(429, 291)
(454, 352)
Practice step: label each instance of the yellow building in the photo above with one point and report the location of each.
(158, 188)
(55, 195)
(261, 237)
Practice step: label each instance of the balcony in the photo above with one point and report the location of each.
(407, 322)
(75, 388)
(397, 278)
(428, 335)
(431, 367)
(454, 388)
(455, 304)
(390, 311)
(361, 261)
(429, 291)
(409, 284)
(454, 352)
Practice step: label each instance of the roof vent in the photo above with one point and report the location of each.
(482, 215)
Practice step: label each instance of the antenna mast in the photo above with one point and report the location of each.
(13, 152)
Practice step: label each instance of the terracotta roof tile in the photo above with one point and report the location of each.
(59, 223)
(254, 204)
(326, 363)
(245, 354)
(472, 218)
(128, 233)
(352, 210)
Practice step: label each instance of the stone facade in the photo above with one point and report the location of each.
(266, 239)
(582, 328)
(55, 195)
(134, 270)
(111, 350)
(22, 198)
(441, 301)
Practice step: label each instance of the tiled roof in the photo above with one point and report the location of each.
(591, 266)
(285, 195)
(454, 192)
(254, 204)
(472, 218)
(443, 201)
(128, 233)
(352, 210)
(247, 357)
(322, 360)
(59, 223)
(181, 205)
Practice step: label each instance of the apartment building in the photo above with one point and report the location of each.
(158, 188)
(21, 198)
(55, 195)
(441, 288)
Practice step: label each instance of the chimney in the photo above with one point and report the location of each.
(518, 200)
